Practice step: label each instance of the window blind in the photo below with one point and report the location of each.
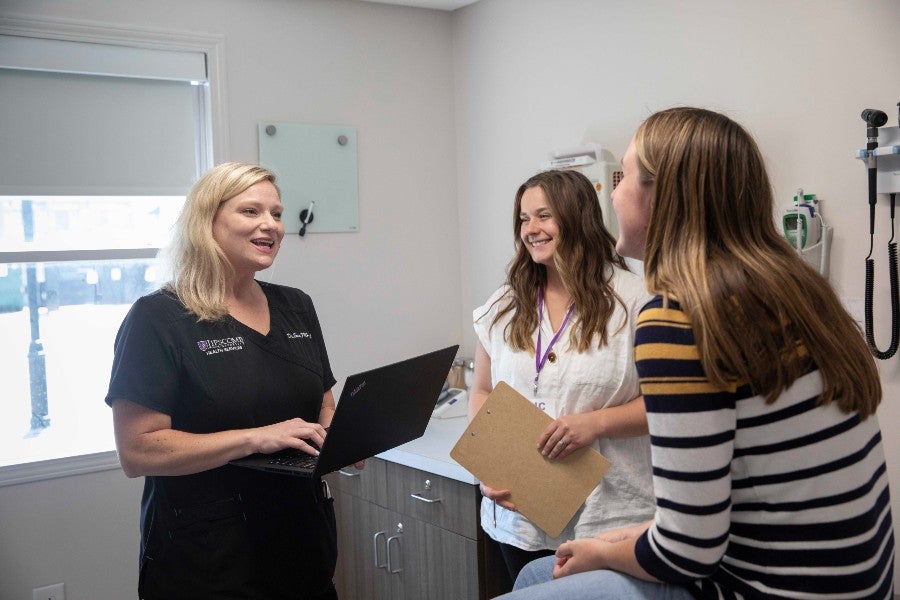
(95, 119)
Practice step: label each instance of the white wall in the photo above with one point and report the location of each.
(533, 75)
(383, 294)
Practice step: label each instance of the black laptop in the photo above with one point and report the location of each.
(378, 410)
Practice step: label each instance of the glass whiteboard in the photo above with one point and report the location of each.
(313, 163)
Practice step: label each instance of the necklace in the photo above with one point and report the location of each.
(539, 359)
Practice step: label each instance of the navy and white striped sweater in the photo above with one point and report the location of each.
(756, 500)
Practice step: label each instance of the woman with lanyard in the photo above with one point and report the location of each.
(760, 392)
(560, 331)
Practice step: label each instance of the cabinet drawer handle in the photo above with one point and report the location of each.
(424, 499)
(420, 495)
(375, 541)
(389, 540)
(348, 473)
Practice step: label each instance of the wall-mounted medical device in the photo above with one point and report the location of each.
(805, 229)
(598, 165)
(801, 224)
(452, 403)
(882, 159)
(885, 158)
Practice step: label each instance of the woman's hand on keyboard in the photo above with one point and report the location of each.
(293, 433)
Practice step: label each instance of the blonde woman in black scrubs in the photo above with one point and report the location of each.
(213, 367)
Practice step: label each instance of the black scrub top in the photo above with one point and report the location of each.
(229, 531)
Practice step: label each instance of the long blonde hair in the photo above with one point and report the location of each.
(585, 250)
(756, 307)
(198, 265)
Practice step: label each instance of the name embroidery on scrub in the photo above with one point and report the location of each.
(221, 345)
(302, 334)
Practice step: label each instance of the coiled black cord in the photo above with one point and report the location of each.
(895, 295)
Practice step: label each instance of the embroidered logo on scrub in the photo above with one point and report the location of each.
(303, 335)
(221, 345)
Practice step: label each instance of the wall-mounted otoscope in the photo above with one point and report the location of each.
(875, 119)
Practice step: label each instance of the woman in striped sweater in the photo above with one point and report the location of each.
(768, 467)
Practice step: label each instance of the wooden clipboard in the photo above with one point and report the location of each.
(499, 447)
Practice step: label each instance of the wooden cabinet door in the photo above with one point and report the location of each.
(407, 564)
(451, 564)
(398, 540)
(361, 574)
(426, 561)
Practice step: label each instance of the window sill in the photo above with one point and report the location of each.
(59, 467)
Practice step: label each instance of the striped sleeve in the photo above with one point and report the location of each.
(692, 428)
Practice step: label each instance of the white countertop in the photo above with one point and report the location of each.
(431, 452)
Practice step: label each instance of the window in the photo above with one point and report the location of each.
(101, 140)
(60, 309)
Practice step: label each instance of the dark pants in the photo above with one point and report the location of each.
(330, 594)
(243, 549)
(516, 558)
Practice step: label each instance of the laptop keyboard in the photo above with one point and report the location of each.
(298, 458)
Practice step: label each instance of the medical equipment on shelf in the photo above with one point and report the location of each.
(452, 403)
(598, 165)
(882, 158)
(805, 230)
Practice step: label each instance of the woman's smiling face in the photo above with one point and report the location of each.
(538, 228)
(248, 228)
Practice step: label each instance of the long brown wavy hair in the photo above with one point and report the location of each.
(584, 252)
(759, 312)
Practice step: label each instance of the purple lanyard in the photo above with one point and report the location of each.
(539, 360)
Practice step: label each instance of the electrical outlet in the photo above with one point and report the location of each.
(57, 591)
